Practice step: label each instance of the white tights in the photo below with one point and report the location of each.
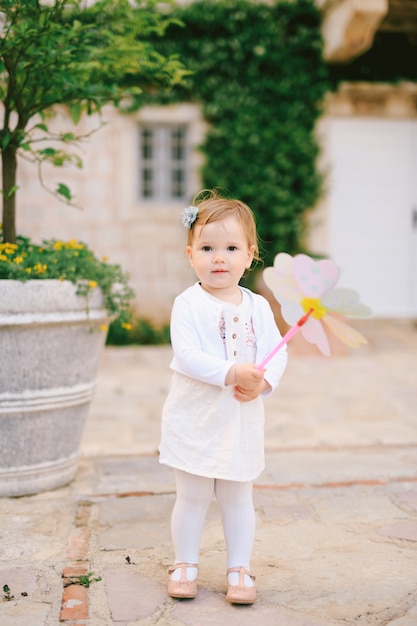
(194, 494)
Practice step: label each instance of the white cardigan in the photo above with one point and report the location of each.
(198, 347)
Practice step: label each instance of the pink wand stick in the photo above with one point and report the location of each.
(288, 335)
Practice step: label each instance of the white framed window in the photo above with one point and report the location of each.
(164, 161)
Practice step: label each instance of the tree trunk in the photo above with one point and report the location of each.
(9, 166)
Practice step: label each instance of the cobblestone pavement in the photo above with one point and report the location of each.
(336, 507)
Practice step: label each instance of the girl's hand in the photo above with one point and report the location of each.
(248, 381)
(246, 395)
(248, 376)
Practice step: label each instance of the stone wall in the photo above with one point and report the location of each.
(147, 239)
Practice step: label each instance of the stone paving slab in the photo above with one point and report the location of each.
(336, 508)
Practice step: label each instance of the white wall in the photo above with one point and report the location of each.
(365, 223)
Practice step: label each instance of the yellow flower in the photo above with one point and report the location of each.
(104, 259)
(92, 284)
(126, 325)
(104, 328)
(18, 259)
(73, 244)
(28, 270)
(40, 268)
(3, 257)
(11, 246)
(58, 245)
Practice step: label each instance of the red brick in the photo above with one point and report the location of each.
(74, 603)
(74, 570)
(77, 546)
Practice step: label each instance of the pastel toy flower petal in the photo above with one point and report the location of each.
(345, 333)
(313, 332)
(346, 301)
(314, 278)
(291, 312)
(280, 279)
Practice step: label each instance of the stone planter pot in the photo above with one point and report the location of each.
(50, 346)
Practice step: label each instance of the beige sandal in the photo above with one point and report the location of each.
(241, 594)
(182, 588)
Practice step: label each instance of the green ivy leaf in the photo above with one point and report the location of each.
(48, 152)
(64, 191)
(76, 110)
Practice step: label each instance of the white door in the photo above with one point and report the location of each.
(372, 194)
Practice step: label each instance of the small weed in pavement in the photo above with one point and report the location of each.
(7, 593)
(85, 580)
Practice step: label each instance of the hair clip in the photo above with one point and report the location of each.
(189, 216)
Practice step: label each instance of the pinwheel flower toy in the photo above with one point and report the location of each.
(305, 288)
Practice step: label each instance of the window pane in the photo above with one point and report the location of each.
(163, 163)
(147, 178)
(147, 138)
(178, 144)
(178, 180)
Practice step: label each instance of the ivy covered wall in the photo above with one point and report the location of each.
(258, 73)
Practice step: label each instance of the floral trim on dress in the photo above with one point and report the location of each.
(222, 329)
(250, 337)
(250, 334)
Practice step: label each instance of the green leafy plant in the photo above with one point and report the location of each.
(259, 75)
(73, 261)
(80, 56)
(76, 54)
(140, 331)
(7, 593)
(85, 580)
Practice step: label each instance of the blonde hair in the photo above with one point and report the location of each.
(212, 208)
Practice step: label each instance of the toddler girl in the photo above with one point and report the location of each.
(213, 417)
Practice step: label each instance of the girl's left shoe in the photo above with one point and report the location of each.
(241, 593)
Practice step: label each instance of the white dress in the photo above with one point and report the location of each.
(205, 431)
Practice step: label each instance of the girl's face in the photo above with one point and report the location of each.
(219, 255)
